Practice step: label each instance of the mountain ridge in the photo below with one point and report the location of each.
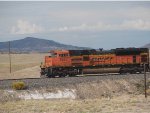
(146, 46)
(32, 44)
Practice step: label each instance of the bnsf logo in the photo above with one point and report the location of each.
(102, 58)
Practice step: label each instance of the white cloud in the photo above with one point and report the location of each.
(25, 27)
(125, 25)
(136, 24)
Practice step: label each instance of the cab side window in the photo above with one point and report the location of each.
(63, 55)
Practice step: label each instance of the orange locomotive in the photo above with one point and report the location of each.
(74, 62)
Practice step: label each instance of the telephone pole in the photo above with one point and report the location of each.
(9, 58)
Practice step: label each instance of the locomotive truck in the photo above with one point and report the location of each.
(61, 63)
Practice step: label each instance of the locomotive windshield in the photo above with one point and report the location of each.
(52, 54)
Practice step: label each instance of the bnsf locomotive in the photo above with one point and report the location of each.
(75, 62)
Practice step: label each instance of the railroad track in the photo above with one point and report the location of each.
(104, 74)
(107, 74)
(58, 82)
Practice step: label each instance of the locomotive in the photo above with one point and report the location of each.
(61, 63)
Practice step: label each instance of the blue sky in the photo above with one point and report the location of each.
(91, 24)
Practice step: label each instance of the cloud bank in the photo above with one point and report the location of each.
(101, 26)
(25, 27)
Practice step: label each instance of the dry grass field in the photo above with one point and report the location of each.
(120, 104)
(23, 65)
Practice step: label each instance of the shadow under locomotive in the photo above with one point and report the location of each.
(63, 63)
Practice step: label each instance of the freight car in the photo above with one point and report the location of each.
(63, 63)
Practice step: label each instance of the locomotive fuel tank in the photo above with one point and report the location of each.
(100, 70)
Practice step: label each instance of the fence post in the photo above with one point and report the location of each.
(145, 81)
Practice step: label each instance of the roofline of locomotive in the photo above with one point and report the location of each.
(101, 51)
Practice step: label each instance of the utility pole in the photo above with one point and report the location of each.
(145, 81)
(9, 58)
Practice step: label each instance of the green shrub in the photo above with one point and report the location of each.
(18, 85)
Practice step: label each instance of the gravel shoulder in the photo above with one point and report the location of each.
(59, 82)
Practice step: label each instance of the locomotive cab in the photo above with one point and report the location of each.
(57, 58)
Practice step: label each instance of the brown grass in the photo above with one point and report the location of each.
(23, 65)
(7, 97)
(121, 104)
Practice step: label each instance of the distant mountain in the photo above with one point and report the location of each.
(146, 46)
(31, 44)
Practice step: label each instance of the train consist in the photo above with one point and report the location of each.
(63, 63)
